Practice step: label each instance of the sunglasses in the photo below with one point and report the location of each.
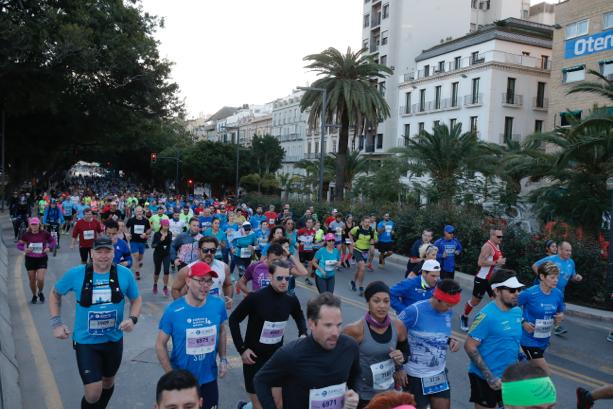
(511, 290)
(499, 237)
(204, 281)
(206, 250)
(281, 278)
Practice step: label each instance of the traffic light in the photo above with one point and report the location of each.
(154, 157)
(190, 182)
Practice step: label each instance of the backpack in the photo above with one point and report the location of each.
(87, 289)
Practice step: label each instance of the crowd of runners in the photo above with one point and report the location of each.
(224, 263)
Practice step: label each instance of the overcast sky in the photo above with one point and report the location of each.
(234, 52)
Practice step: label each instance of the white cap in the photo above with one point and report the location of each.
(246, 223)
(512, 282)
(431, 265)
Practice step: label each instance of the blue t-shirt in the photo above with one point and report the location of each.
(428, 334)
(67, 206)
(262, 236)
(98, 323)
(327, 261)
(567, 269)
(122, 253)
(256, 220)
(241, 244)
(409, 291)
(205, 222)
(387, 226)
(195, 335)
(539, 309)
(499, 333)
(448, 247)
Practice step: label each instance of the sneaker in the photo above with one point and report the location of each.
(370, 267)
(559, 330)
(584, 399)
(34, 299)
(241, 404)
(41, 297)
(610, 336)
(361, 292)
(155, 288)
(353, 285)
(165, 291)
(306, 280)
(464, 323)
(137, 274)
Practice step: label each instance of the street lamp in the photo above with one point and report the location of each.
(609, 279)
(324, 95)
(237, 129)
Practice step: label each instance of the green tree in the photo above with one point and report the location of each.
(351, 81)
(354, 165)
(266, 154)
(384, 184)
(286, 183)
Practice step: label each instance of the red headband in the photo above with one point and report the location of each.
(445, 297)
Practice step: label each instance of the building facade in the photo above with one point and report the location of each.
(582, 41)
(493, 81)
(244, 123)
(289, 127)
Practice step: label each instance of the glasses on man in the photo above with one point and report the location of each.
(499, 237)
(281, 278)
(203, 281)
(208, 250)
(512, 290)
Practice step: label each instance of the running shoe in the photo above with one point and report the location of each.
(306, 280)
(584, 399)
(165, 291)
(559, 330)
(241, 404)
(155, 288)
(34, 299)
(137, 274)
(347, 265)
(464, 323)
(353, 286)
(610, 336)
(361, 291)
(41, 297)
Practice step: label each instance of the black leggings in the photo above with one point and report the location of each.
(324, 284)
(158, 260)
(210, 395)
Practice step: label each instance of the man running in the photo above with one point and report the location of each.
(268, 311)
(306, 238)
(100, 290)
(411, 290)
(54, 219)
(527, 386)
(448, 248)
(196, 324)
(364, 238)
(385, 229)
(493, 340)
(123, 256)
(86, 230)
(490, 259)
(259, 273)
(318, 371)
(177, 389)
(139, 228)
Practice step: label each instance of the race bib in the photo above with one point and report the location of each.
(339, 231)
(200, 341)
(100, 323)
(272, 332)
(245, 252)
(542, 328)
(383, 375)
(388, 228)
(264, 282)
(139, 229)
(330, 397)
(308, 243)
(271, 222)
(89, 235)
(37, 248)
(329, 265)
(434, 384)
(347, 241)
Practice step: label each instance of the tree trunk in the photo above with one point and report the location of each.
(341, 157)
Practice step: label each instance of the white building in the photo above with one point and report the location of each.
(228, 128)
(494, 81)
(396, 32)
(289, 126)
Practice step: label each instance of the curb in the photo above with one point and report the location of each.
(10, 392)
(572, 310)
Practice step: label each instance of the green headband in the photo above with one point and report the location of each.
(529, 392)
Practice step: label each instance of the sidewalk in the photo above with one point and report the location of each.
(466, 282)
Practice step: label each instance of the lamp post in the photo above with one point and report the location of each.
(609, 278)
(324, 95)
(237, 129)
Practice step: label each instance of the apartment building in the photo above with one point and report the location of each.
(493, 81)
(240, 125)
(289, 127)
(582, 41)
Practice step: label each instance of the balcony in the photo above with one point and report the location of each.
(512, 100)
(405, 110)
(374, 47)
(369, 148)
(540, 104)
(375, 21)
(445, 104)
(473, 100)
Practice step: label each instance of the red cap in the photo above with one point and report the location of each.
(201, 269)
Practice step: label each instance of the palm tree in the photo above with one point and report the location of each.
(603, 88)
(446, 155)
(354, 165)
(351, 81)
(286, 184)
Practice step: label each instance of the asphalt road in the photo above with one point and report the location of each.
(49, 377)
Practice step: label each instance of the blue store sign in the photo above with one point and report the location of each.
(586, 45)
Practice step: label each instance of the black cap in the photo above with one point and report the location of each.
(103, 242)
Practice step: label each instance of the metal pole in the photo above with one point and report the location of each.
(177, 174)
(3, 170)
(322, 149)
(237, 158)
(609, 279)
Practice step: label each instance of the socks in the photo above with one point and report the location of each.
(467, 308)
(105, 397)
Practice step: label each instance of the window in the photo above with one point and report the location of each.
(567, 118)
(333, 146)
(607, 20)
(454, 93)
(316, 147)
(386, 10)
(577, 29)
(606, 67)
(361, 143)
(474, 57)
(510, 91)
(420, 127)
(380, 141)
(573, 74)
(508, 128)
(475, 91)
(457, 63)
(441, 66)
(473, 4)
(426, 70)
(538, 126)
(474, 123)
(545, 62)
(452, 122)
(309, 148)
(383, 60)
(365, 43)
(407, 132)
(366, 20)
(436, 123)
(407, 103)
(422, 100)
(382, 88)
(383, 40)
(437, 97)
(540, 95)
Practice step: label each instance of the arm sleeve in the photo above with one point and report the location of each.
(298, 316)
(238, 315)
(271, 374)
(156, 239)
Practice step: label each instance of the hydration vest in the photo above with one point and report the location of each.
(87, 290)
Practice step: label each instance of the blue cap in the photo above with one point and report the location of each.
(449, 229)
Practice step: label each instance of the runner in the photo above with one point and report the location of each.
(543, 306)
(448, 248)
(325, 262)
(429, 325)
(347, 259)
(196, 324)
(337, 227)
(53, 219)
(315, 371)
(139, 231)
(156, 220)
(243, 247)
(262, 235)
(176, 226)
(371, 251)
(100, 290)
(493, 340)
(122, 255)
(271, 215)
(162, 241)
(527, 386)
(36, 244)
(268, 311)
(216, 231)
(382, 341)
(411, 290)
(490, 259)
(306, 237)
(68, 212)
(113, 212)
(19, 209)
(86, 230)
(258, 273)
(184, 249)
(586, 399)
(177, 389)
(385, 228)
(257, 219)
(415, 258)
(364, 238)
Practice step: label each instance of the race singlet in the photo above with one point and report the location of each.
(272, 332)
(329, 397)
(200, 341)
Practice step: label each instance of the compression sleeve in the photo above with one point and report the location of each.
(238, 315)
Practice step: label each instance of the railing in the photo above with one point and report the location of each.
(473, 100)
(369, 148)
(540, 103)
(313, 155)
(375, 20)
(513, 99)
(431, 106)
(405, 110)
(374, 47)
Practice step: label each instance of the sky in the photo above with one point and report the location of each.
(234, 52)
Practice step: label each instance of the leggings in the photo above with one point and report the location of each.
(324, 284)
(210, 395)
(158, 260)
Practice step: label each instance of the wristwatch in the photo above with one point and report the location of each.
(134, 319)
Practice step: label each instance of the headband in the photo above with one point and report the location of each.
(446, 297)
(529, 392)
(374, 288)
